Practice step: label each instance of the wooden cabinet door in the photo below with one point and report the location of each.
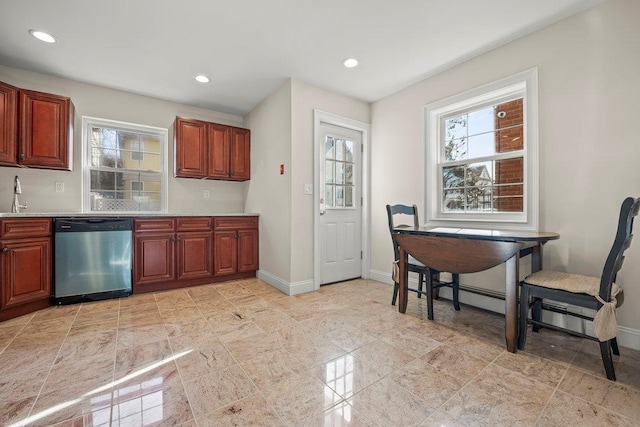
(26, 271)
(240, 154)
(8, 125)
(219, 146)
(190, 148)
(194, 250)
(154, 258)
(46, 130)
(247, 250)
(225, 253)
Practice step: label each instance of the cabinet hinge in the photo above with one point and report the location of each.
(361, 255)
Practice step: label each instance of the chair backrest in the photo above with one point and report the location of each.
(400, 210)
(621, 243)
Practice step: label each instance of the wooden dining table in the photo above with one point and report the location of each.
(465, 250)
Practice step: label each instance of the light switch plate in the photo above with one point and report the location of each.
(308, 189)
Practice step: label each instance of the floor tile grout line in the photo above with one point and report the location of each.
(29, 414)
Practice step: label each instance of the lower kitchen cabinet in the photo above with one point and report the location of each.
(236, 245)
(26, 262)
(172, 252)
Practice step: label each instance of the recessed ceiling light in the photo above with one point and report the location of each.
(202, 78)
(42, 36)
(350, 62)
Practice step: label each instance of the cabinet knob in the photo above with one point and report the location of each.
(5, 250)
(21, 156)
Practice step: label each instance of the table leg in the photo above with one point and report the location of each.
(536, 258)
(404, 281)
(511, 302)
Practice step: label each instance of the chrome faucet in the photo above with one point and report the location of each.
(16, 206)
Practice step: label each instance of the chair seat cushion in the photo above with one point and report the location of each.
(576, 283)
(604, 323)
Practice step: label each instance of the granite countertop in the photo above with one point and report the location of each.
(114, 214)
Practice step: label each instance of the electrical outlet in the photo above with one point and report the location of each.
(206, 194)
(59, 186)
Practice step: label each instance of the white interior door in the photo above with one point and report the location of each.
(340, 170)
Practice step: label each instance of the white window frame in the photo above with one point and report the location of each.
(87, 123)
(525, 85)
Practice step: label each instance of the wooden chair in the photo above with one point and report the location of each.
(601, 294)
(433, 276)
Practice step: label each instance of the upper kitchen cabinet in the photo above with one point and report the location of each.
(46, 130)
(8, 124)
(211, 150)
(36, 129)
(190, 148)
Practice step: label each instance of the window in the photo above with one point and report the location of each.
(339, 163)
(124, 167)
(482, 156)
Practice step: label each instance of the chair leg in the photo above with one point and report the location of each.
(430, 296)
(536, 313)
(455, 286)
(396, 287)
(420, 284)
(524, 312)
(605, 351)
(614, 346)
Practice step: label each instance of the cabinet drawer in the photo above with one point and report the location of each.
(193, 224)
(25, 227)
(154, 224)
(235, 222)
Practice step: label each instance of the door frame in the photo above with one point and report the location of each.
(365, 128)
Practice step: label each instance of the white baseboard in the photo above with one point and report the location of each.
(283, 286)
(627, 337)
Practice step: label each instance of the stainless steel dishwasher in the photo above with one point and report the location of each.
(92, 259)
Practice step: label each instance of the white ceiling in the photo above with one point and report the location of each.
(251, 47)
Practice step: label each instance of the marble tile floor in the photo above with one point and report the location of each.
(243, 354)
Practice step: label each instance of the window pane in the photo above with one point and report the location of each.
(339, 149)
(510, 114)
(106, 157)
(339, 196)
(329, 148)
(482, 145)
(339, 173)
(106, 181)
(455, 127)
(510, 139)
(328, 196)
(453, 177)
(348, 196)
(150, 162)
(452, 201)
(508, 198)
(509, 171)
(479, 199)
(481, 121)
(329, 172)
(479, 174)
(348, 147)
(455, 149)
(348, 174)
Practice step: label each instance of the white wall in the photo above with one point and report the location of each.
(282, 133)
(588, 90)
(269, 193)
(306, 99)
(185, 195)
